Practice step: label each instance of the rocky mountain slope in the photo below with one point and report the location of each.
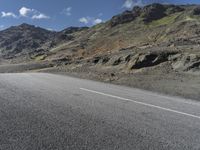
(155, 47)
(140, 38)
(21, 40)
(25, 42)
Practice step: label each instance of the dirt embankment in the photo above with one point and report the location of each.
(169, 72)
(24, 67)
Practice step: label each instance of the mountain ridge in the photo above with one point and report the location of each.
(25, 39)
(140, 48)
(157, 26)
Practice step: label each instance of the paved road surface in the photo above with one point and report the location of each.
(52, 112)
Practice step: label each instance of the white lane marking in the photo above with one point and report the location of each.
(141, 103)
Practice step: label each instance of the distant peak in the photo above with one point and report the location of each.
(25, 25)
(73, 29)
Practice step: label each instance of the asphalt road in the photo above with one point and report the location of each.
(51, 112)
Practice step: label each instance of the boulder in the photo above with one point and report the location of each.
(95, 60)
(186, 62)
(118, 61)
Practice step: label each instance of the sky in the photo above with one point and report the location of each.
(60, 14)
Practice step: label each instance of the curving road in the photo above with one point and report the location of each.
(41, 111)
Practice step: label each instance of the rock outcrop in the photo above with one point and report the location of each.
(125, 17)
(153, 12)
(148, 13)
(196, 10)
(186, 62)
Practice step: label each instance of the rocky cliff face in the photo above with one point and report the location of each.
(148, 13)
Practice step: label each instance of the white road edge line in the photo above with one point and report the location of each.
(141, 103)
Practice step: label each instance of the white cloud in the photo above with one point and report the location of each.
(97, 21)
(67, 11)
(90, 20)
(40, 16)
(84, 20)
(8, 14)
(32, 13)
(25, 11)
(129, 4)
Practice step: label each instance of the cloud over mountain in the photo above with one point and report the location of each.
(32, 13)
(25, 11)
(90, 20)
(128, 4)
(8, 14)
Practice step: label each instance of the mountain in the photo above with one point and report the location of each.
(24, 42)
(140, 38)
(18, 41)
(155, 47)
(154, 26)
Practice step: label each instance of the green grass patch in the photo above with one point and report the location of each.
(192, 18)
(164, 21)
(60, 47)
(41, 57)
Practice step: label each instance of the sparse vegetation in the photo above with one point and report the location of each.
(144, 47)
(164, 21)
(41, 57)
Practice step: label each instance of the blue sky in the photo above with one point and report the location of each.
(59, 14)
